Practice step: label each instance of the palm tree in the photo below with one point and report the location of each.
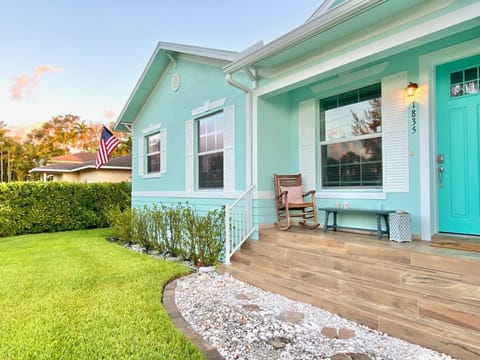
(82, 132)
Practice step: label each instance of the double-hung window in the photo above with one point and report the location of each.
(210, 151)
(351, 139)
(153, 153)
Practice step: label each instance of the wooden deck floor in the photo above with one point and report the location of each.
(423, 294)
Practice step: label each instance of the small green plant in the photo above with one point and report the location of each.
(120, 222)
(141, 229)
(209, 232)
(175, 228)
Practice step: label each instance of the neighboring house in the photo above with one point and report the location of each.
(81, 168)
(327, 100)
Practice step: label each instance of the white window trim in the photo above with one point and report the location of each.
(191, 155)
(143, 154)
(209, 106)
(391, 182)
(352, 193)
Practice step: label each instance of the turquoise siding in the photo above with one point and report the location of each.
(199, 83)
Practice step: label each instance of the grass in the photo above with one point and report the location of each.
(73, 295)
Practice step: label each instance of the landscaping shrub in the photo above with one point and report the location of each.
(36, 207)
(178, 230)
(120, 221)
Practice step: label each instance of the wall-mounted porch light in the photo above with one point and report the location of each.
(411, 88)
(410, 92)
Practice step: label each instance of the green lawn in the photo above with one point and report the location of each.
(73, 295)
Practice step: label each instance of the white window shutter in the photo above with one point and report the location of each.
(163, 151)
(306, 143)
(189, 166)
(395, 134)
(141, 151)
(229, 149)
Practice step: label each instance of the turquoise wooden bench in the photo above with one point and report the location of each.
(379, 214)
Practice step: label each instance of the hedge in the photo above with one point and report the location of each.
(37, 207)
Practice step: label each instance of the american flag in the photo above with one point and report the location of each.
(108, 143)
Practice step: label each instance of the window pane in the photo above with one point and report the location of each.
(202, 144)
(219, 140)
(471, 87)
(352, 163)
(353, 120)
(329, 103)
(210, 168)
(456, 77)
(202, 127)
(210, 129)
(471, 74)
(210, 124)
(348, 98)
(153, 163)
(369, 92)
(153, 143)
(211, 144)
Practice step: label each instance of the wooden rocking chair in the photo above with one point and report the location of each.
(292, 202)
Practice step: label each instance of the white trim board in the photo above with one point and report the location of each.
(189, 194)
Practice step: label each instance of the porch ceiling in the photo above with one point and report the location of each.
(364, 41)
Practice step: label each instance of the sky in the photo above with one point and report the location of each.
(84, 57)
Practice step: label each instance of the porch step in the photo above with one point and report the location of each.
(413, 292)
(457, 242)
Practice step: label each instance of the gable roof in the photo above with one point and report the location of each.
(326, 6)
(360, 28)
(118, 163)
(321, 21)
(164, 54)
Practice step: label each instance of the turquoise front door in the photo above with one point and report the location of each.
(458, 146)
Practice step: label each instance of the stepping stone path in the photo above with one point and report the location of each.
(251, 307)
(278, 342)
(242, 296)
(350, 356)
(293, 317)
(334, 333)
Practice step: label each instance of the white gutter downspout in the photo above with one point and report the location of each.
(248, 91)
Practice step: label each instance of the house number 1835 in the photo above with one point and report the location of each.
(413, 115)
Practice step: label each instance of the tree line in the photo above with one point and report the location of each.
(61, 135)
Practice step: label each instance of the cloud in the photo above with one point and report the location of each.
(24, 84)
(109, 114)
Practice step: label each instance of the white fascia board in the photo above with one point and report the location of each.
(413, 33)
(199, 51)
(40, 170)
(178, 48)
(137, 85)
(103, 167)
(321, 9)
(322, 23)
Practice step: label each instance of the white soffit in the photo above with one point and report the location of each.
(350, 76)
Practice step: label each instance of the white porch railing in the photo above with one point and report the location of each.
(238, 223)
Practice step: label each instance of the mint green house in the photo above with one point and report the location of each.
(327, 100)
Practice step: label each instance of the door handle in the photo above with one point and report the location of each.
(441, 170)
